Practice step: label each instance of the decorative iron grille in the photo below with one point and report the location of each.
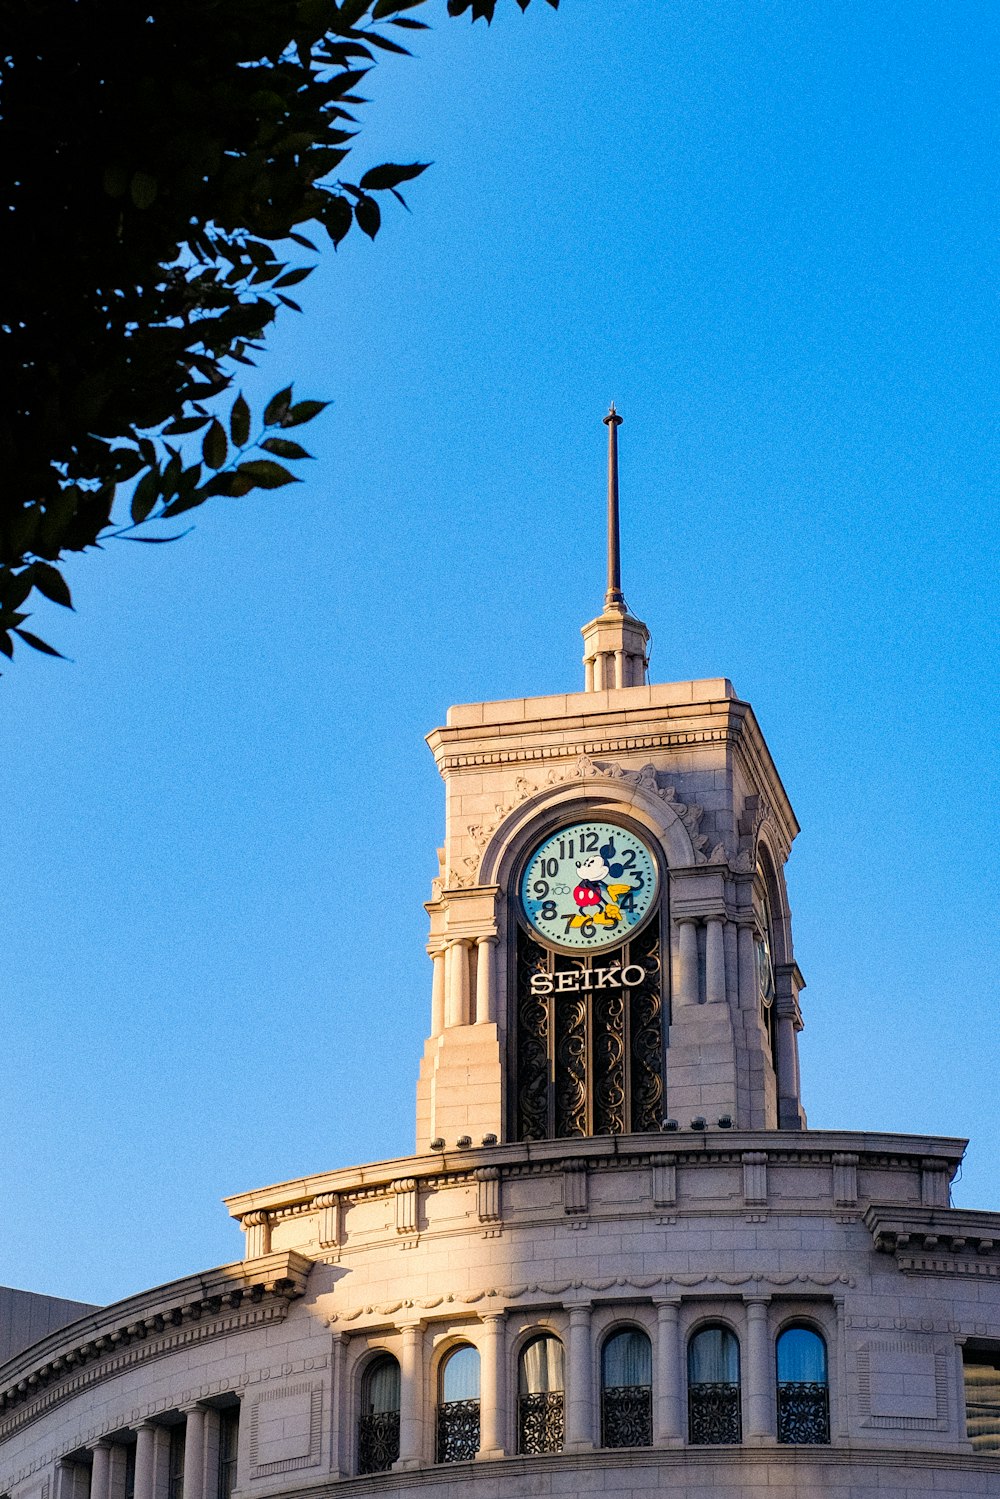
(532, 1045)
(588, 1060)
(457, 1431)
(378, 1441)
(714, 1414)
(627, 1416)
(803, 1413)
(646, 1029)
(541, 1422)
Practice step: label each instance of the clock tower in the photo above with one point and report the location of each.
(609, 928)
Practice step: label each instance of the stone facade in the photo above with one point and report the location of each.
(700, 1248)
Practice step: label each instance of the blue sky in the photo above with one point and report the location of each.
(769, 232)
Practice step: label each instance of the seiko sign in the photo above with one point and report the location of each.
(579, 981)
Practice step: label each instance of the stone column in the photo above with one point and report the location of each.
(210, 1455)
(715, 961)
(457, 988)
(161, 1462)
(145, 1449)
(620, 669)
(100, 1472)
(588, 674)
(194, 1453)
(411, 1397)
(747, 963)
(485, 1006)
(760, 1422)
(492, 1387)
(437, 993)
(687, 977)
(579, 1395)
(668, 1429)
(340, 1413)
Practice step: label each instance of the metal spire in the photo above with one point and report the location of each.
(613, 598)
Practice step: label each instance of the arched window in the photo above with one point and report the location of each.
(714, 1387)
(764, 956)
(541, 1401)
(803, 1387)
(378, 1419)
(627, 1390)
(458, 1406)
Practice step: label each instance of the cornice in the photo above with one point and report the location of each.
(623, 1287)
(937, 1241)
(606, 1151)
(157, 1322)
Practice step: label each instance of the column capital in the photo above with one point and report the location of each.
(686, 919)
(103, 1444)
(488, 938)
(492, 1318)
(667, 1304)
(580, 1310)
(415, 1324)
(756, 1300)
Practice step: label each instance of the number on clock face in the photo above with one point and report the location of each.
(588, 886)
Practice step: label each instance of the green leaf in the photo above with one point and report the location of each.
(276, 407)
(143, 189)
(157, 541)
(239, 422)
(336, 217)
(214, 446)
(391, 175)
(368, 215)
(281, 447)
(291, 277)
(184, 425)
(266, 475)
(145, 495)
(50, 581)
(37, 644)
(303, 411)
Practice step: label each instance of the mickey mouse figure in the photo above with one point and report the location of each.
(600, 888)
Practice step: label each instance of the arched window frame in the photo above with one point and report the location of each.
(457, 1422)
(802, 1407)
(546, 1421)
(665, 842)
(628, 1420)
(715, 1408)
(377, 1440)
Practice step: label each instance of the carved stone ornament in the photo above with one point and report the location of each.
(627, 1287)
(585, 769)
(756, 811)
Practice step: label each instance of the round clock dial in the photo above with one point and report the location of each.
(588, 886)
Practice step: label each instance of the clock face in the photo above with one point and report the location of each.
(588, 886)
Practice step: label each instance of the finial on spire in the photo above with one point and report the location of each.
(615, 645)
(613, 598)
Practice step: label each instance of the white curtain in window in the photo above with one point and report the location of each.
(460, 1375)
(541, 1370)
(381, 1392)
(627, 1360)
(801, 1357)
(714, 1357)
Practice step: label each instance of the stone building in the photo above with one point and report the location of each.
(618, 1260)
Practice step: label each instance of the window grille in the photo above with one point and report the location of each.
(541, 1404)
(378, 1422)
(626, 1390)
(714, 1416)
(458, 1408)
(803, 1392)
